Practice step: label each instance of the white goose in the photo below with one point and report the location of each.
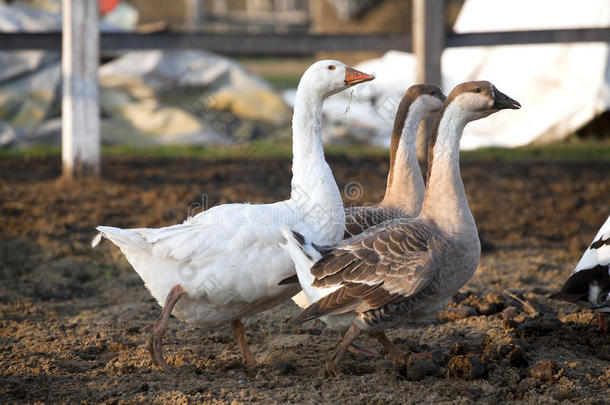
(226, 263)
(589, 284)
(405, 268)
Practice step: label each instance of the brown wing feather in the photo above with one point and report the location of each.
(359, 219)
(383, 263)
(352, 297)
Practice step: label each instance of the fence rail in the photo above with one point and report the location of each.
(227, 44)
(528, 37)
(299, 44)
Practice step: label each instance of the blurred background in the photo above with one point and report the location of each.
(183, 94)
(170, 107)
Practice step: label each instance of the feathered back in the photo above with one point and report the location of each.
(598, 252)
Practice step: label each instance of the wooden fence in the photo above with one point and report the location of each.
(80, 131)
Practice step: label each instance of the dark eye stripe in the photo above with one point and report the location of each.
(331, 67)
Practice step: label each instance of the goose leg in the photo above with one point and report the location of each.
(330, 368)
(160, 327)
(360, 350)
(240, 334)
(397, 354)
(602, 322)
(363, 350)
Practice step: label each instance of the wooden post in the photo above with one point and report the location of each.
(80, 103)
(194, 11)
(428, 43)
(219, 7)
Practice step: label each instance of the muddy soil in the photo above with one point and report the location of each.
(74, 321)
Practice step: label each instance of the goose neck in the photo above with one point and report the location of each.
(307, 149)
(445, 200)
(405, 187)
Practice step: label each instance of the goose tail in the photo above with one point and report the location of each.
(302, 253)
(123, 238)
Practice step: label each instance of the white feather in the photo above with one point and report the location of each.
(599, 256)
(228, 259)
(304, 256)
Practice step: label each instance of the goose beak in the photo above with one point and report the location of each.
(353, 76)
(502, 101)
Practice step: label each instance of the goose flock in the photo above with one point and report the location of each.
(361, 270)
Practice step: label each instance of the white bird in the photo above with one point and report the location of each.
(407, 268)
(226, 263)
(589, 284)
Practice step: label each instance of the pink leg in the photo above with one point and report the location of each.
(160, 327)
(330, 368)
(397, 354)
(602, 322)
(240, 334)
(363, 351)
(360, 350)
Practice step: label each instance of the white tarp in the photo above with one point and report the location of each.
(560, 86)
(184, 97)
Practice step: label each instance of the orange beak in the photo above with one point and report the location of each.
(353, 76)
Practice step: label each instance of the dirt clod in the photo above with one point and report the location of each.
(461, 312)
(467, 366)
(517, 357)
(510, 324)
(510, 313)
(459, 348)
(440, 357)
(420, 365)
(488, 308)
(527, 384)
(544, 370)
(527, 329)
(490, 304)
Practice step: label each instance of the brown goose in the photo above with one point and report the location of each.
(405, 185)
(405, 269)
(405, 188)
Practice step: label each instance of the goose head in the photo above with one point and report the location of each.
(478, 99)
(327, 77)
(426, 98)
(421, 101)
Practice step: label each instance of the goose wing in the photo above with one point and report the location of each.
(226, 229)
(391, 260)
(598, 253)
(359, 219)
(591, 276)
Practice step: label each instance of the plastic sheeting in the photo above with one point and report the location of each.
(560, 86)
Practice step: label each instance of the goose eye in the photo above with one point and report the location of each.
(477, 90)
(331, 67)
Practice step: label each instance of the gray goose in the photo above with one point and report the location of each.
(407, 268)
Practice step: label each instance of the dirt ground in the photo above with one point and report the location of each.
(74, 321)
